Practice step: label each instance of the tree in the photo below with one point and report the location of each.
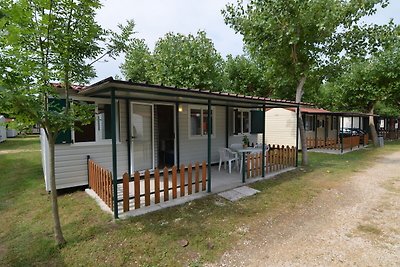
(51, 40)
(138, 63)
(293, 38)
(177, 60)
(368, 85)
(245, 76)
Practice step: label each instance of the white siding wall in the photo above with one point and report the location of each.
(191, 149)
(280, 127)
(70, 159)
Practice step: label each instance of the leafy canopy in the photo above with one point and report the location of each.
(294, 39)
(177, 60)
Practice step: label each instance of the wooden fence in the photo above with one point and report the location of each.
(331, 143)
(277, 158)
(184, 181)
(351, 141)
(100, 181)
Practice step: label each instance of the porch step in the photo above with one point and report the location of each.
(238, 193)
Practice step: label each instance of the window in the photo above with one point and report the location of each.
(309, 123)
(85, 133)
(334, 123)
(241, 121)
(198, 121)
(103, 121)
(99, 129)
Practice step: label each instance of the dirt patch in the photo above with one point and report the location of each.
(355, 223)
(15, 151)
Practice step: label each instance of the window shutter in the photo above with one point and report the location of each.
(64, 137)
(256, 121)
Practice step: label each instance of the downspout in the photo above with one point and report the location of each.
(209, 146)
(114, 152)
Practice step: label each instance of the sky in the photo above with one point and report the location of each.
(155, 18)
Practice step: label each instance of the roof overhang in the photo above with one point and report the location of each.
(160, 93)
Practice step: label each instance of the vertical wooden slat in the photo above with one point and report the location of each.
(147, 188)
(174, 183)
(109, 190)
(286, 156)
(102, 174)
(190, 179)
(253, 166)
(166, 184)
(248, 164)
(136, 183)
(125, 192)
(182, 174)
(197, 178)
(156, 186)
(204, 176)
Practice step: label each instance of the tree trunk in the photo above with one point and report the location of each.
(299, 94)
(54, 201)
(372, 129)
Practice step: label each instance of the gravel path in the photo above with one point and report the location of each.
(356, 224)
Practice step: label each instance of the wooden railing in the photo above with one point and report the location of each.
(277, 158)
(351, 141)
(184, 181)
(100, 181)
(331, 143)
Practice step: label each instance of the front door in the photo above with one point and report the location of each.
(165, 135)
(142, 136)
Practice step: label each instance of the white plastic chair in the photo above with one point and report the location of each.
(227, 156)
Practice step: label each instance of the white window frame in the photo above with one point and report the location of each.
(241, 110)
(201, 135)
(98, 138)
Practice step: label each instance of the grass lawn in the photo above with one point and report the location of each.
(211, 225)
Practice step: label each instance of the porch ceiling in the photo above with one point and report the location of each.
(148, 92)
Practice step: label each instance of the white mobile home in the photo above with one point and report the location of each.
(324, 129)
(3, 131)
(155, 126)
(281, 125)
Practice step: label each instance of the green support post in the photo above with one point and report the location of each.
(341, 135)
(209, 121)
(114, 152)
(263, 145)
(177, 134)
(129, 139)
(226, 126)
